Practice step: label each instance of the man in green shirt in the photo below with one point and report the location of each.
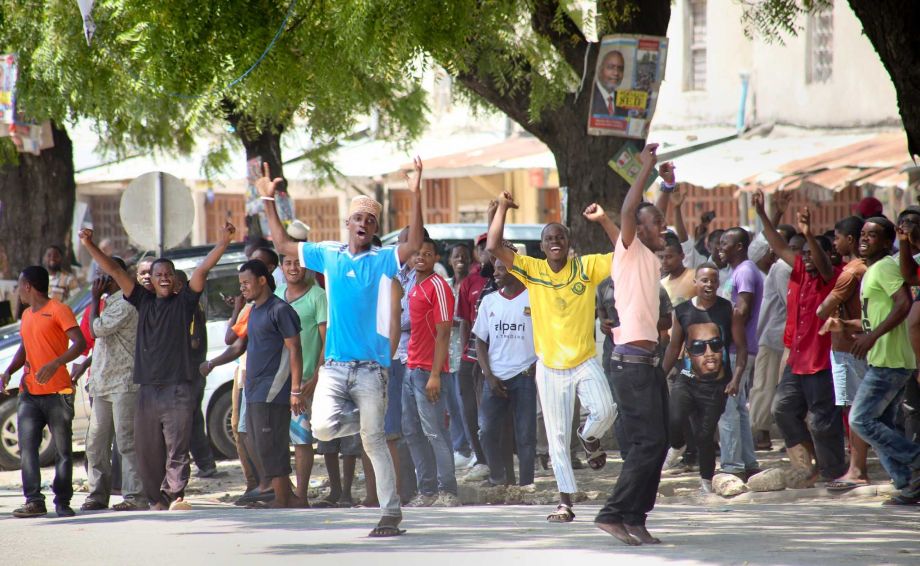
(881, 338)
(309, 302)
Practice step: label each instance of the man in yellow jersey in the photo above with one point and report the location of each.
(562, 300)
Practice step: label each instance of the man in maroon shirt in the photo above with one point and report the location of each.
(807, 385)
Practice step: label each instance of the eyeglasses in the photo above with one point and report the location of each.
(698, 347)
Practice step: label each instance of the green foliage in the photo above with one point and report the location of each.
(771, 19)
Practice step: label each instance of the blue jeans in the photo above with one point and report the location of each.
(392, 420)
(457, 430)
(427, 435)
(351, 397)
(32, 414)
(872, 417)
(736, 440)
(522, 402)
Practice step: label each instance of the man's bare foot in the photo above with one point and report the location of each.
(290, 502)
(619, 532)
(641, 533)
(370, 503)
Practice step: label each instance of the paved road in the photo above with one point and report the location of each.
(837, 533)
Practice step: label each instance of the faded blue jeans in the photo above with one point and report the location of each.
(351, 397)
(426, 434)
(872, 417)
(736, 440)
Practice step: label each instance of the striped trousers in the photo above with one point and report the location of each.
(558, 389)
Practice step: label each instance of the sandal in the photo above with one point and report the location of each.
(128, 506)
(839, 486)
(562, 514)
(325, 504)
(385, 528)
(597, 458)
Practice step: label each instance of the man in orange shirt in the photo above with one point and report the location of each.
(46, 392)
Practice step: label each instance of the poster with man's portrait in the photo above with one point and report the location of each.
(629, 72)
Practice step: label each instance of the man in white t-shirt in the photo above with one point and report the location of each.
(505, 350)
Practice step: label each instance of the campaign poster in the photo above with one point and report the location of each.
(629, 72)
(8, 76)
(626, 164)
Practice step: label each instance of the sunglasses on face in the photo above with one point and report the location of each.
(698, 347)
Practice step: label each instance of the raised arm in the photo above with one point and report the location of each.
(678, 199)
(267, 186)
(777, 242)
(497, 230)
(596, 214)
(416, 234)
(107, 264)
(666, 188)
(778, 205)
(200, 276)
(819, 257)
(634, 196)
(908, 263)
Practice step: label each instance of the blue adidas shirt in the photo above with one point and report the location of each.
(358, 289)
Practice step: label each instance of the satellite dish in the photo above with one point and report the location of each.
(157, 211)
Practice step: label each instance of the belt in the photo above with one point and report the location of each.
(634, 359)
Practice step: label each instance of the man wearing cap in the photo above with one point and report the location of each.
(350, 394)
(868, 207)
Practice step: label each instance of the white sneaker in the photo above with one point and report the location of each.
(446, 500)
(479, 472)
(672, 460)
(462, 462)
(705, 487)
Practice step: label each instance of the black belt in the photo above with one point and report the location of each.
(634, 359)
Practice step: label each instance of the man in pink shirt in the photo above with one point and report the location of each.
(639, 384)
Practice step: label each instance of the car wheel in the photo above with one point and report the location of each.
(9, 440)
(219, 430)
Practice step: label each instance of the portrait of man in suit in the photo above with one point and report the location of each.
(607, 80)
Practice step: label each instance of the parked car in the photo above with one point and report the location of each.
(526, 236)
(216, 404)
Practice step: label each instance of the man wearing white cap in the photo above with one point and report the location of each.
(350, 394)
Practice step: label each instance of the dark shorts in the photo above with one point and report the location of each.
(269, 425)
(346, 446)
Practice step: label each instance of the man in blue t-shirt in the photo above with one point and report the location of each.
(274, 368)
(350, 395)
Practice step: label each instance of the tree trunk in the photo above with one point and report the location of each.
(37, 195)
(581, 159)
(262, 141)
(889, 25)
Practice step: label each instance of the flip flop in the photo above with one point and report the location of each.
(839, 486)
(562, 514)
(386, 531)
(324, 504)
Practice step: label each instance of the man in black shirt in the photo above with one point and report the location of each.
(163, 368)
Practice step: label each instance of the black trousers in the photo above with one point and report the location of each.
(200, 445)
(701, 403)
(642, 393)
(804, 409)
(162, 432)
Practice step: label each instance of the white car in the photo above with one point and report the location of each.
(216, 404)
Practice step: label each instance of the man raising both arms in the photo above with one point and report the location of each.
(637, 377)
(562, 300)
(358, 289)
(163, 369)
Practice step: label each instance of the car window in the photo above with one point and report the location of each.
(222, 284)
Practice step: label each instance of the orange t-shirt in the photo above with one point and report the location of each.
(241, 328)
(44, 334)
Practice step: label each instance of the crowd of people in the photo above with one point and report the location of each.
(372, 352)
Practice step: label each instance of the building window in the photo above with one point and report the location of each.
(820, 46)
(695, 59)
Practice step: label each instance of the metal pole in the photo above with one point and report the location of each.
(158, 212)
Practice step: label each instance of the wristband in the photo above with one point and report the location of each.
(668, 187)
(268, 198)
